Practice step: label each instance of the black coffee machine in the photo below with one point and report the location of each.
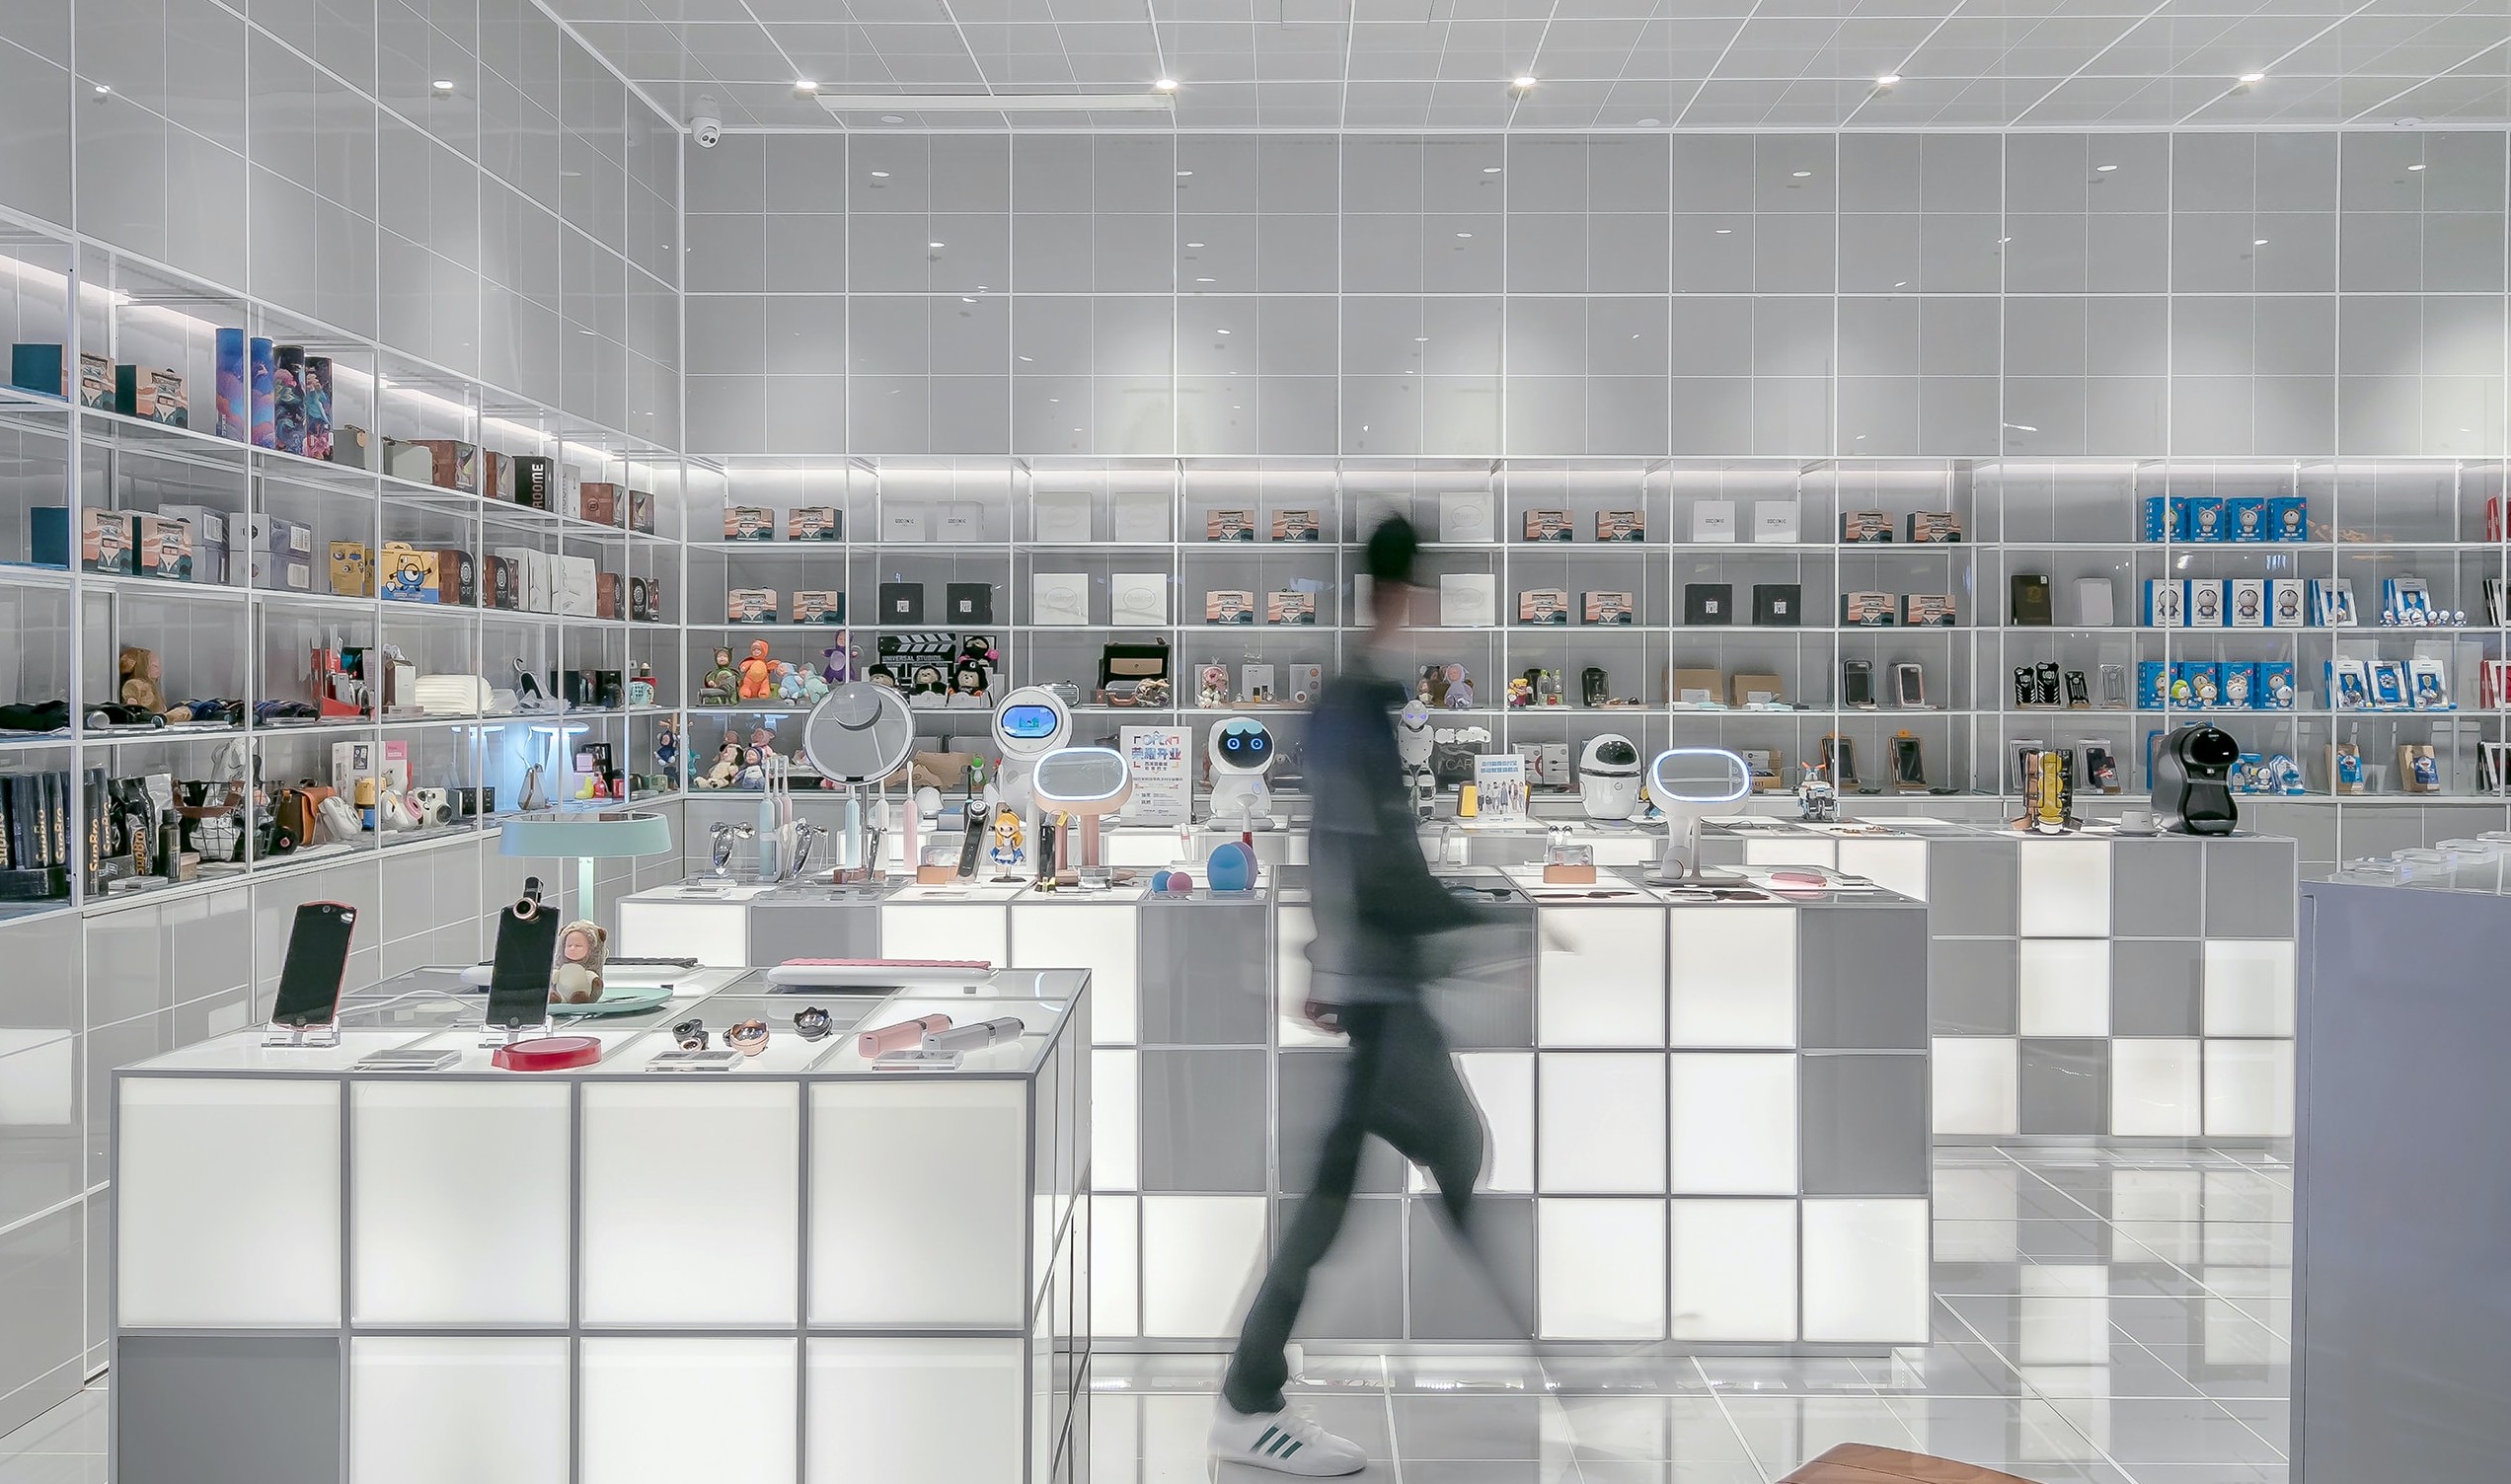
(2192, 781)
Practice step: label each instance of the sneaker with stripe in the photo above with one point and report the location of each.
(1286, 1442)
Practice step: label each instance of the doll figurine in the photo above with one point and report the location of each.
(789, 683)
(1006, 851)
(758, 673)
(1521, 692)
(142, 673)
(834, 663)
(666, 750)
(815, 687)
(720, 682)
(726, 768)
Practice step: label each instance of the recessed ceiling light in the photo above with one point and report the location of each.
(442, 85)
(881, 175)
(804, 87)
(1464, 233)
(2023, 427)
(1183, 174)
(1421, 340)
(1220, 331)
(1207, 280)
(2257, 242)
(2105, 169)
(2253, 77)
(1165, 85)
(892, 119)
(964, 299)
(2002, 241)
(1523, 83)
(2407, 122)
(1887, 79)
(1800, 173)
(2411, 167)
(1029, 357)
(935, 245)
(104, 88)
(1491, 170)
(1725, 231)
(1904, 283)
(1650, 123)
(1195, 245)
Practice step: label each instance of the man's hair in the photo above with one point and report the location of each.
(1391, 547)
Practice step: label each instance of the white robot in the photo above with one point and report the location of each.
(1413, 745)
(1241, 752)
(1031, 722)
(1609, 778)
(1685, 782)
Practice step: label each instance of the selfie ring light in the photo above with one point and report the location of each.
(1685, 805)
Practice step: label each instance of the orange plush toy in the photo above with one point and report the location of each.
(758, 673)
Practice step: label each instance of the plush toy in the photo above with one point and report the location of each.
(927, 688)
(881, 675)
(834, 663)
(758, 673)
(814, 688)
(789, 683)
(581, 947)
(728, 767)
(666, 749)
(753, 773)
(972, 673)
(1460, 689)
(720, 682)
(141, 674)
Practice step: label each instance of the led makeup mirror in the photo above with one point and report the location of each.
(1685, 782)
(860, 733)
(1090, 784)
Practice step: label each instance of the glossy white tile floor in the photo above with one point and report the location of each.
(2119, 1317)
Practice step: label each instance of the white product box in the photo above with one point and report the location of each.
(1140, 515)
(576, 585)
(2287, 602)
(2093, 602)
(1060, 517)
(1712, 520)
(959, 522)
(902, 523)
(1059, 598)
(570, 490)
(1139, 599)
(2204, 604)
(210, 561)
(2166, 602)
(1468, 600)
(1464, 515)
(352, 761)
(2246, 603)
(1775, 521)
(541, 579)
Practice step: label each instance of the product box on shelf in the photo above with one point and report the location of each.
(1934, 527)
(1686, 685)
(406, 573)
(1058, 599)
(1287, 607)
(2246, 603)
(1546, 525)
(2204, 520)
(1060, 517)
(973, 602)
(569, 492)
(278, 572)
(597, 500)
(959, 522)
(1606, 608)
(1229, 605)
(2152, 685)
(1864, 527)
(1464, 515)
(504, 585)
(749, 523)
(151, 395)
(288, 399)
(452, 464)
(813, 523)
(2027, 600)
(2205, 603)
(2288, 599)
(457, 578)
(1621, 525)
(277, 533)
(316, 384)
(2236, 682)
(496, 476)
(2166, 600)
(1714, 521)
(1138, 515)
(2274, 691)
(208, 540)
(2289, 518)
(161, 548)
(1296, 525)
(750, 605)
(640, 511)
(819, 606)
(2333, 603)
(104, 540)
(607, 597)
(2162, 517)
(352, 447)
(2245, 519)
(576, 586)
(1542, 605)
(262, 384)
(1778, 605)
(1745, 687)
(235, 386)
(535, 481)
(1468, 600)
(1867, 610)
(2417, 770)
(1775, 522)
(2196, 684)
(1928, 609)
(412, 462)
(531, 577)
(1709, 603)
(645, 600)
(36, 366)
(96, 381)
(1229, 525)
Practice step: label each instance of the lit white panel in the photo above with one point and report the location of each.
(2063, 986)
(225, 1184)
(948, 929)
(1978, 1085)
(2063, 889)
(1600, 1269)
(2249, 1090)
(481, 1410)
(2063, 1316)
(1894, 864)
(1734, 1270)
(917, 1194)
(1865, 1272)
(39, 1079)
(2155, 1088)
(2249, 987)
(1504, 1083)
(1605, 985)
(1150, 848)
(668, 1411)
(460, 1203)
(1294, 929)
(1733, 972)
(913, 1411)
(1791, 849)
(1100, 938)
(643, 1146)
(1734, 1123)
(1199, 1257)
(1626, 849)
(1601, 1125)
(1115, 1267)
(717, 934)
(1115, 1125)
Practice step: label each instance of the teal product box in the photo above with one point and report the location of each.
(2196, 685)
(2163, 514)
(2288, 518)
(2152, 685)
(2245, 519)
(36, 366)
(2274, 691)
(2203, 519)
(2239, 679)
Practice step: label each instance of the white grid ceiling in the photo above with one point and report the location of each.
(1602, 64)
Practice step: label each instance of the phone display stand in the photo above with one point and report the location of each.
(306, 1037)
(500, 1037)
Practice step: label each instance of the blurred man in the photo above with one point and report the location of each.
(1376, 904)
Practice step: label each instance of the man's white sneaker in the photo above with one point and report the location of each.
(1285, 1442)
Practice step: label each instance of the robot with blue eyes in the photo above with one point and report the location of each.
(1241, 752)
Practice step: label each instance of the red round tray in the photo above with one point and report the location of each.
(548, 1054)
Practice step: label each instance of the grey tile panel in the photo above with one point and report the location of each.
(2157, 988)
(1862, 1124)
(2157, 887)
(2066, 1085)
(1971, 988)
(1203, 972)
(1858, 979)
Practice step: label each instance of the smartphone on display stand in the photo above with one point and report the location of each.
(519, 975)
(307, 1010)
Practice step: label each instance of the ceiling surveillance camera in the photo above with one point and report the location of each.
(706, 125)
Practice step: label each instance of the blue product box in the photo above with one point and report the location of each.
(2274, 691)
(37, 367)
(2152, 685)
(2245, 519)
(2239, 681)
(2288, 518)
(2204, 520)
(2196, 685)
(2161, 517)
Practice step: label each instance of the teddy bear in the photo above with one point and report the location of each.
(582, 945)
(141, 673)
(726, 768)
